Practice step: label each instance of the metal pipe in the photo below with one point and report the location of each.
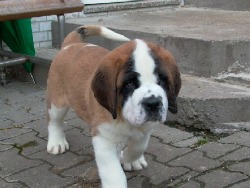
(14, 61)
(36, 60)
(3, 80)
(61, 28)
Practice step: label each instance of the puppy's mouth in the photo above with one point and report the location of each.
(153, 116)
(150, 118)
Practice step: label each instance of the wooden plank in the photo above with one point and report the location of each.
(18, 9)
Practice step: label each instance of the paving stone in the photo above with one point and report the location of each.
(215, 150)
(164, 152)
(10, 94)
(242, 185)
(76, 122)
(241, 138)
(26, 100)
(170, 135)
(195, 161)
(40, 176)
(79, 123)
(87, 171)
(11, 162)
(132, 174)
(41, 127)
(184, 178)
(4, 147)
(219, 178)
(86, 151)
(157, 172)
(35, 106)
(190, 184)
(29, 143)
(187, 143)
(20, 116)
(25, 88)
(5, 123)
(5, 184)
(77, 140)
(83, 184)
(62, 161)
(70, 115)
(4, 108)
(238, 155)
(136, 182)
(9, 129)
(11, 132)
(41, 93)
(241, 167)
(8, 110)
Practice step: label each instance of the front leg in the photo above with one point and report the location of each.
(108, 163)
(132, 157)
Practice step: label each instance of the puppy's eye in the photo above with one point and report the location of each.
(130, 85)
(131, 81)
(162, 82)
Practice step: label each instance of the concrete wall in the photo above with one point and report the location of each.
(42, 34)
(42, 30)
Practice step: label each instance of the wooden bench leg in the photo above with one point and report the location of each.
(61, 29)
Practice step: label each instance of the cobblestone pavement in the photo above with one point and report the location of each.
(176, 158)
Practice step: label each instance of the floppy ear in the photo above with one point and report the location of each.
(168, 67)
(104, 87)
(173, 81)
(173, 91)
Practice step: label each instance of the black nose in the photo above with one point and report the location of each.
(152, 103)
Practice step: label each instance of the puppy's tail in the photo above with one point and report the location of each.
(82, 32)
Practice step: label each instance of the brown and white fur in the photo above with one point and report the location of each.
(121, 94)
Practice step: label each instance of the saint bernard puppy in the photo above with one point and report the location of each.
(121, 94)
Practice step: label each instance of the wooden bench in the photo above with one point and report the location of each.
(19, 9)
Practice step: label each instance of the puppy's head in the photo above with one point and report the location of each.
(139, 82)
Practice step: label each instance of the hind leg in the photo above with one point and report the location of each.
(57, 142)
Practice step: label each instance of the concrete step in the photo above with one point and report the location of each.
(97, 8)
(235, 5)
(207, 104)
(204, 42)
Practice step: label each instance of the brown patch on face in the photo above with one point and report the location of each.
(168, 65)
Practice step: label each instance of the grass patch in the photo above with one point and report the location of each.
(200, 142)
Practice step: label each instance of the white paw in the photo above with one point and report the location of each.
(56, 146)
(139, 164)
(57, 142)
